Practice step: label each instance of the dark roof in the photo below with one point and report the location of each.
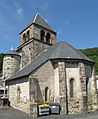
(61, 50)
(39, 21)
(11, 52)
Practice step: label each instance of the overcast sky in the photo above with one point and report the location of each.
(75, 21)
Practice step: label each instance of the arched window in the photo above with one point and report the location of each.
(48, 38)
(42, 35)
(24, 37)
(46, 94)
(87, 81)
(28, 35)
(72, 88)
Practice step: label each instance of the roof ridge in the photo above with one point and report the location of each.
(35, 17)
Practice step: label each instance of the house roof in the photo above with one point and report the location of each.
(61, 50)
(12, 52)
(39, 21)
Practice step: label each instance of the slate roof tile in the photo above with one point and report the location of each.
(61, 50)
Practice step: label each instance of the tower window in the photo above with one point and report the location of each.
(42, 35)
(72, 88)
(48, 38)
(28, 35)
(24, 37)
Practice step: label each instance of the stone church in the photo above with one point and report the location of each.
(42, 71)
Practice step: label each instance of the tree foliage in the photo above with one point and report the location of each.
(1, 62)
(92, 53)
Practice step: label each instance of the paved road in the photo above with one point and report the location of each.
(9, 113)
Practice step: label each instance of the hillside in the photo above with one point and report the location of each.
(91, 53)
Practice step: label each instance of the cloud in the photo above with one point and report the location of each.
(20, 11)
(67, 22)
(18, 8)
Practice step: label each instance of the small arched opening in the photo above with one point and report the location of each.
(42, 35)
(46, 94)
(48, 38)
(24, 38)
(28, 35)
(71, 88)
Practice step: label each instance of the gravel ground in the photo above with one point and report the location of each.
(10, 113)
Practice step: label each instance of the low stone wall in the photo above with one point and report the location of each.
(34, 110)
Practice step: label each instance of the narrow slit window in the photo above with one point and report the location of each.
(71, 88)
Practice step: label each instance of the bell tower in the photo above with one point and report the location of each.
(34, 38)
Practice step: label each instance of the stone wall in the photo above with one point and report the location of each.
(19, 100)
(56, 76)
(72, 73)
(93, 89)
(11, 64)
(45, 77)
(62, 86)
(30, 51)
(88, 100)
(56, 83)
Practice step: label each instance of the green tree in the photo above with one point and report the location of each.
(1, 62)
(92, 53)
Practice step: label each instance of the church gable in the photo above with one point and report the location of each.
(38, 29)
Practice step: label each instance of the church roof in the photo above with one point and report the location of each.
(11, 52)
(39, 21)
(61, 50)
